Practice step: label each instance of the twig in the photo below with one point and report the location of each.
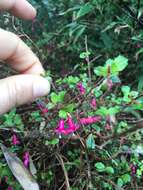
(87, 60)
(59, 157)
(90, 185)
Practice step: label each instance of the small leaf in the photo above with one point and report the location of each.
(85, 9)
(120, 182)
(90, 143)
(63, 114)
(84, 55)
(109, 170)
(100, 166)
(101, 71)
(126, 178)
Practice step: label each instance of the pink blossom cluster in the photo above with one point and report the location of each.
(26, 159)
(93, 103)
(81, 88)
(133, 169)
(90, 120)
(72, 127)
(15, 140)
(26, 156)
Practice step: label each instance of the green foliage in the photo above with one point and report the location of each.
(96, 156)
(112, 67)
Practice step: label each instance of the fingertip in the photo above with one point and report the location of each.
(24, 10)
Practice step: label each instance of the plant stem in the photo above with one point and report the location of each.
(87, 60)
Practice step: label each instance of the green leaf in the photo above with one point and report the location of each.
(107, 40)
(126, 178)
(116, 65)
(101, 71)
(85, 9)
(115, 79)
(100, 166)
(109, 170)
(69, 108)
(52, 142)
(58, 98)
(63, 114)
(90, 143)
(120, 182)
(125, 90)
(114, 110)
(103, 111)
(84, 55)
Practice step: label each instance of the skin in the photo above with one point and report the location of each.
(28, 85)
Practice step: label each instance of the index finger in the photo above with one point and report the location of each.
(19, 8)
(15, 52)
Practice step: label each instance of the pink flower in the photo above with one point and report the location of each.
(15, 140)
(72, 127)
(133, 169)
(42, 106)
(90, 120)
(26, 159)
(108, 127)
(93, 103)
(81, 88)
(109, 84)
(61, 128)
(9, 188)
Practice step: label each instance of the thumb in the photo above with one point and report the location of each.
(19, 89)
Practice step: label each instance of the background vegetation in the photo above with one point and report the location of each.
(73, 38)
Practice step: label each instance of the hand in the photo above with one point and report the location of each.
(28, 85)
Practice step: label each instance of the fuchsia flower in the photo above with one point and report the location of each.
(90, 120)
(109, 84)
(61, 128)
(9, 188)
(133, 169)
(93, 103)
(108, 127)
(15, 140)
(42, 106)
(72, 127)
(26, 159)
(81, 88)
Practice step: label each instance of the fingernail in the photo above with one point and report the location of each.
(41, 88)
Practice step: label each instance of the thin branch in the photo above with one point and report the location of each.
(59, 157)
(87, 60)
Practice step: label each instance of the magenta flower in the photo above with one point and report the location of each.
(133, 169)
(72, 127)
(9, 188)
(81, 88)
(93, 103)
(61, 128)
(42, 106)
(26, 159)
(15, 140)
(109, 84)
(108, 127)
(90, 120)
